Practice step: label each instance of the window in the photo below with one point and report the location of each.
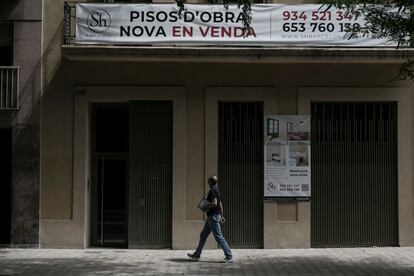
(273, 128)
(6, 44)
(289, 127)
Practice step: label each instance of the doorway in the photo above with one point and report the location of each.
(109, 191)
(5, 185)
(354, 174)
(131, 192)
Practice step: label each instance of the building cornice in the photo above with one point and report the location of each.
(216, 54)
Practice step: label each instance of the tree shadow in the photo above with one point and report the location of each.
(257, 265)
(182, 260)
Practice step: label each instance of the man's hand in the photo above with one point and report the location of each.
(223, 220)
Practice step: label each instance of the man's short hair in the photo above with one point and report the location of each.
(213, 179)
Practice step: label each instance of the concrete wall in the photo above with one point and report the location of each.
(26, 17)
(65, 199)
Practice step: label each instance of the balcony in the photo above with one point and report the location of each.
(9, 88)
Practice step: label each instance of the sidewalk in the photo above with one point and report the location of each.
(343, 261)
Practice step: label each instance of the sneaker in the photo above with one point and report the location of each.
(228, 260)
(193, 256)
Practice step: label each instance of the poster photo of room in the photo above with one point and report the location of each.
(287, 141)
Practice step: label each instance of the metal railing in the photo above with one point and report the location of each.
(9, 88)
(69, 21)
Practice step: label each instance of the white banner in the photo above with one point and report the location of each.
(287, 156)
(272, 24)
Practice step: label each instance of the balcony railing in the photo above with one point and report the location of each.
(9, 88)
(69, 28)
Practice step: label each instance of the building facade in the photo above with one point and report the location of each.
(130, 133)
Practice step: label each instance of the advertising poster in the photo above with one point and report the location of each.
(287, 156)
(272, 24)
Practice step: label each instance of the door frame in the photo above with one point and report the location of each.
(82, 161)
(405, 100)
(272, 228)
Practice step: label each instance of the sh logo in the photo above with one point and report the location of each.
(99, 21)
(271, 187)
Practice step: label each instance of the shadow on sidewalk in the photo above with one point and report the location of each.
(188, 260)
(163, 265)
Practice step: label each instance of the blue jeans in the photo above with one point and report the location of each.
(213, 225)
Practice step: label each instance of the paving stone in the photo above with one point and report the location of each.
(341, 261)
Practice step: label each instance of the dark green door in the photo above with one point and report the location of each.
(240, 171)
(150, 174)
(354, 174)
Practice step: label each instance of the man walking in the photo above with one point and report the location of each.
(212, 224)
